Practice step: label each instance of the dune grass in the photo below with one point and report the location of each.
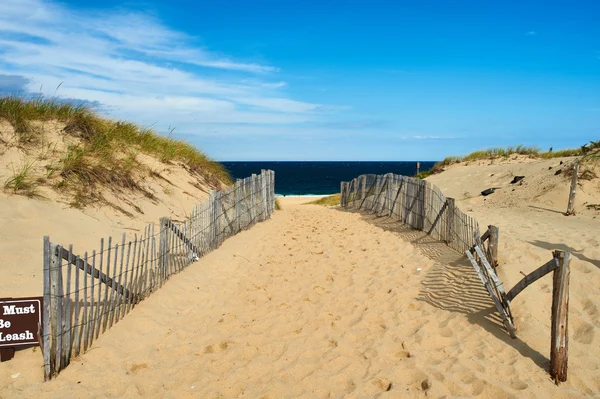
(500, 152)
(108, 148)
(22, 180)
(331, 200)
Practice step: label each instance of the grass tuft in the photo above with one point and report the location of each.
(331, 200)
(22, 180)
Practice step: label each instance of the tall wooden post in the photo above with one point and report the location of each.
(46, 330)
(364, 189)
(571, 206)
(418, 167)
(559, 341)
(163, 248)
(238, 205)
(212, 198)
(449, 220)
(253, 198)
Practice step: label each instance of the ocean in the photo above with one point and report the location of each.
(318, 178)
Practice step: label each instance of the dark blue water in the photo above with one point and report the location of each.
(316, 178)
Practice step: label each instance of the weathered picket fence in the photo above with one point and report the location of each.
(85, 295)
(414, 202)
(422, 206)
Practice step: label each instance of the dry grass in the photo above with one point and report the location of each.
(331, 200)
(495, 153)
(106, 152)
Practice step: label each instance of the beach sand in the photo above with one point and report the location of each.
(319, 302)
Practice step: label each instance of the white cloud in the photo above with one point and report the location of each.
(531, 33)
(138, 68)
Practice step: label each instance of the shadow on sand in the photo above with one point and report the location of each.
(575, 252)
(452, 284)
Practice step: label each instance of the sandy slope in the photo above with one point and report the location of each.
(170, 190)
(322, 303)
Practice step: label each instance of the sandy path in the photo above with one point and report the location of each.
(314, 303)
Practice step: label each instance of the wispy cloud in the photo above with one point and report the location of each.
(531, 33)
(138, 68)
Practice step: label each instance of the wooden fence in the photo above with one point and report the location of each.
(414, 202)
(422, 206)
(85, 295)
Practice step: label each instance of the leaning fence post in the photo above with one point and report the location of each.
(572, 191)
(449, 220)
(560, 318)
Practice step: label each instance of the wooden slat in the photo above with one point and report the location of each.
(89, 317)
(497, 283)
(115, 277)
(67, 313)
(122, 303)
(105, 302)
(134, 286)
(76, 322)
(96, 320)
(488, 287)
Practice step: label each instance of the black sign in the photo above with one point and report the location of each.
(20, 320)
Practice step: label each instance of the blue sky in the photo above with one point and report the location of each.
(319, 80)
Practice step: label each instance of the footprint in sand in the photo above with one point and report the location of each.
(584, 332)
(215, 348)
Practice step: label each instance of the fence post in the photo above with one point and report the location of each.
(449, 220)
(272, 190)
(560, 318)
(572, 191)
(162, 247)
(263, 190)
(253, 198)
(238, 205)
(55, 307)
(46, 330)
(364, 190)
(343, 194)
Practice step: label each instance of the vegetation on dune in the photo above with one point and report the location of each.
(587, 151)
(331, 200)
(105, 150)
